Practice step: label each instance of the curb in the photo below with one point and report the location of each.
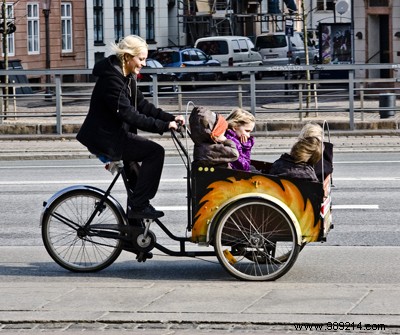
(263, 127)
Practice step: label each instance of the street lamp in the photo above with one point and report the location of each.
(46, 12)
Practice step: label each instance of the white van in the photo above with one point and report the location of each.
(279, 49)
(231, 51)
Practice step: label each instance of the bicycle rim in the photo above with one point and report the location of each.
(256, 240)
(68, 243)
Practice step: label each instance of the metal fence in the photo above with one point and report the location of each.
(292, 88)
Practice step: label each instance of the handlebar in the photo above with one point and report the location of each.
(180, 130)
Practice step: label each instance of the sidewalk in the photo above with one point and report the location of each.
(274, 133)
(271, 118)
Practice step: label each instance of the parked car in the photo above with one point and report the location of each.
(231, 51)
(280, 49)
(188, 57)
(162, 77)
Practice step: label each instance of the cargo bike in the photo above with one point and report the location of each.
(254, 223)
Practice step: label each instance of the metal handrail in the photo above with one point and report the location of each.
(355, 89)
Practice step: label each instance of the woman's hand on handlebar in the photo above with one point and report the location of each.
(177, 124)
(180, 120)
(173, 125)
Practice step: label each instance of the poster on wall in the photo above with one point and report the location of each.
(335, 43)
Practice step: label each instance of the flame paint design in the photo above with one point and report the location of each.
(287, 192)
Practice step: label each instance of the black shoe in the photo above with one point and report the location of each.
(142, 256)
(147, 212)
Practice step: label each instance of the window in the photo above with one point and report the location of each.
(201, 56)
(98, 56)
(235, 46)
(185, 56)
(193, 56)
(325, 5)
(135, 17)
(150, 20)
(10, 37)
(243, 46)
(33, 28)
(66, 27)
(98, 21)
(378, 3)
(118, 20)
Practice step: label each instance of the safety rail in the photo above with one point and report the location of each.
(356, 93)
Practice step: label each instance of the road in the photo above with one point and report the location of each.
(366, 186)
(352, 278)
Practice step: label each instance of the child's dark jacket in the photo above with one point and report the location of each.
(206, 151)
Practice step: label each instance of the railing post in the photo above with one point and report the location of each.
(253, 92)
(362, 101)
(240, 96)
(351, 98)
(180, 103)
(301, 102)
(155, 90)
(58, 104)
(14, 99)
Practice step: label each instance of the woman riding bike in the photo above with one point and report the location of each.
(117, 110)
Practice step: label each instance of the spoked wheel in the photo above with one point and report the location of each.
(75, 247)
(256, 240)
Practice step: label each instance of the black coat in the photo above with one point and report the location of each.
(116, 108)
(202, 121)
(286, 167)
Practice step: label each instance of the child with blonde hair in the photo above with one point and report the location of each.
(240, 124)
(311, 130)
(324, 167)
(303, 156)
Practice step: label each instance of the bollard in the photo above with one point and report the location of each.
(387, 100)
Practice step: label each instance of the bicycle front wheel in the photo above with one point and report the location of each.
(256, 240)
(76, 247)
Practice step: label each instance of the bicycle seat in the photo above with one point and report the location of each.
(111, 166)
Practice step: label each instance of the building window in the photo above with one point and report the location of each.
(10, 37)
(325, 5)
(135, 17)
(378, 3)
(66, 27)
(98, 21)
(98, 56)
(33, 28)
(150, 20)
(118, 20)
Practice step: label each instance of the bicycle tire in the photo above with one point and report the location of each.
(63, 236)
(256, 240)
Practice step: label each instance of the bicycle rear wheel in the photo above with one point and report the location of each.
(256, 240)
(73, 246)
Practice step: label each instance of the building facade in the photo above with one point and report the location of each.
(66, 47)
(80, 32)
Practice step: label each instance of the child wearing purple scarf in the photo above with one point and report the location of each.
(240, 124)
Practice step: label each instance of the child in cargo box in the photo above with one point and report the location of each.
(211, 147)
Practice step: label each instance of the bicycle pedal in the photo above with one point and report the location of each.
(143, 256)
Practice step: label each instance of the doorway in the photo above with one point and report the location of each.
(384, 43)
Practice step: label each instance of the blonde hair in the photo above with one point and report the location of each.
(132, 45)
(240, 117)
(311, 130)
(307, 150)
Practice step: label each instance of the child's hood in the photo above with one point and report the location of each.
(201, 122)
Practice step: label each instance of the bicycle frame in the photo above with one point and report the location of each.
(128, 230)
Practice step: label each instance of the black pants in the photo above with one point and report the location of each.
(151, 156)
